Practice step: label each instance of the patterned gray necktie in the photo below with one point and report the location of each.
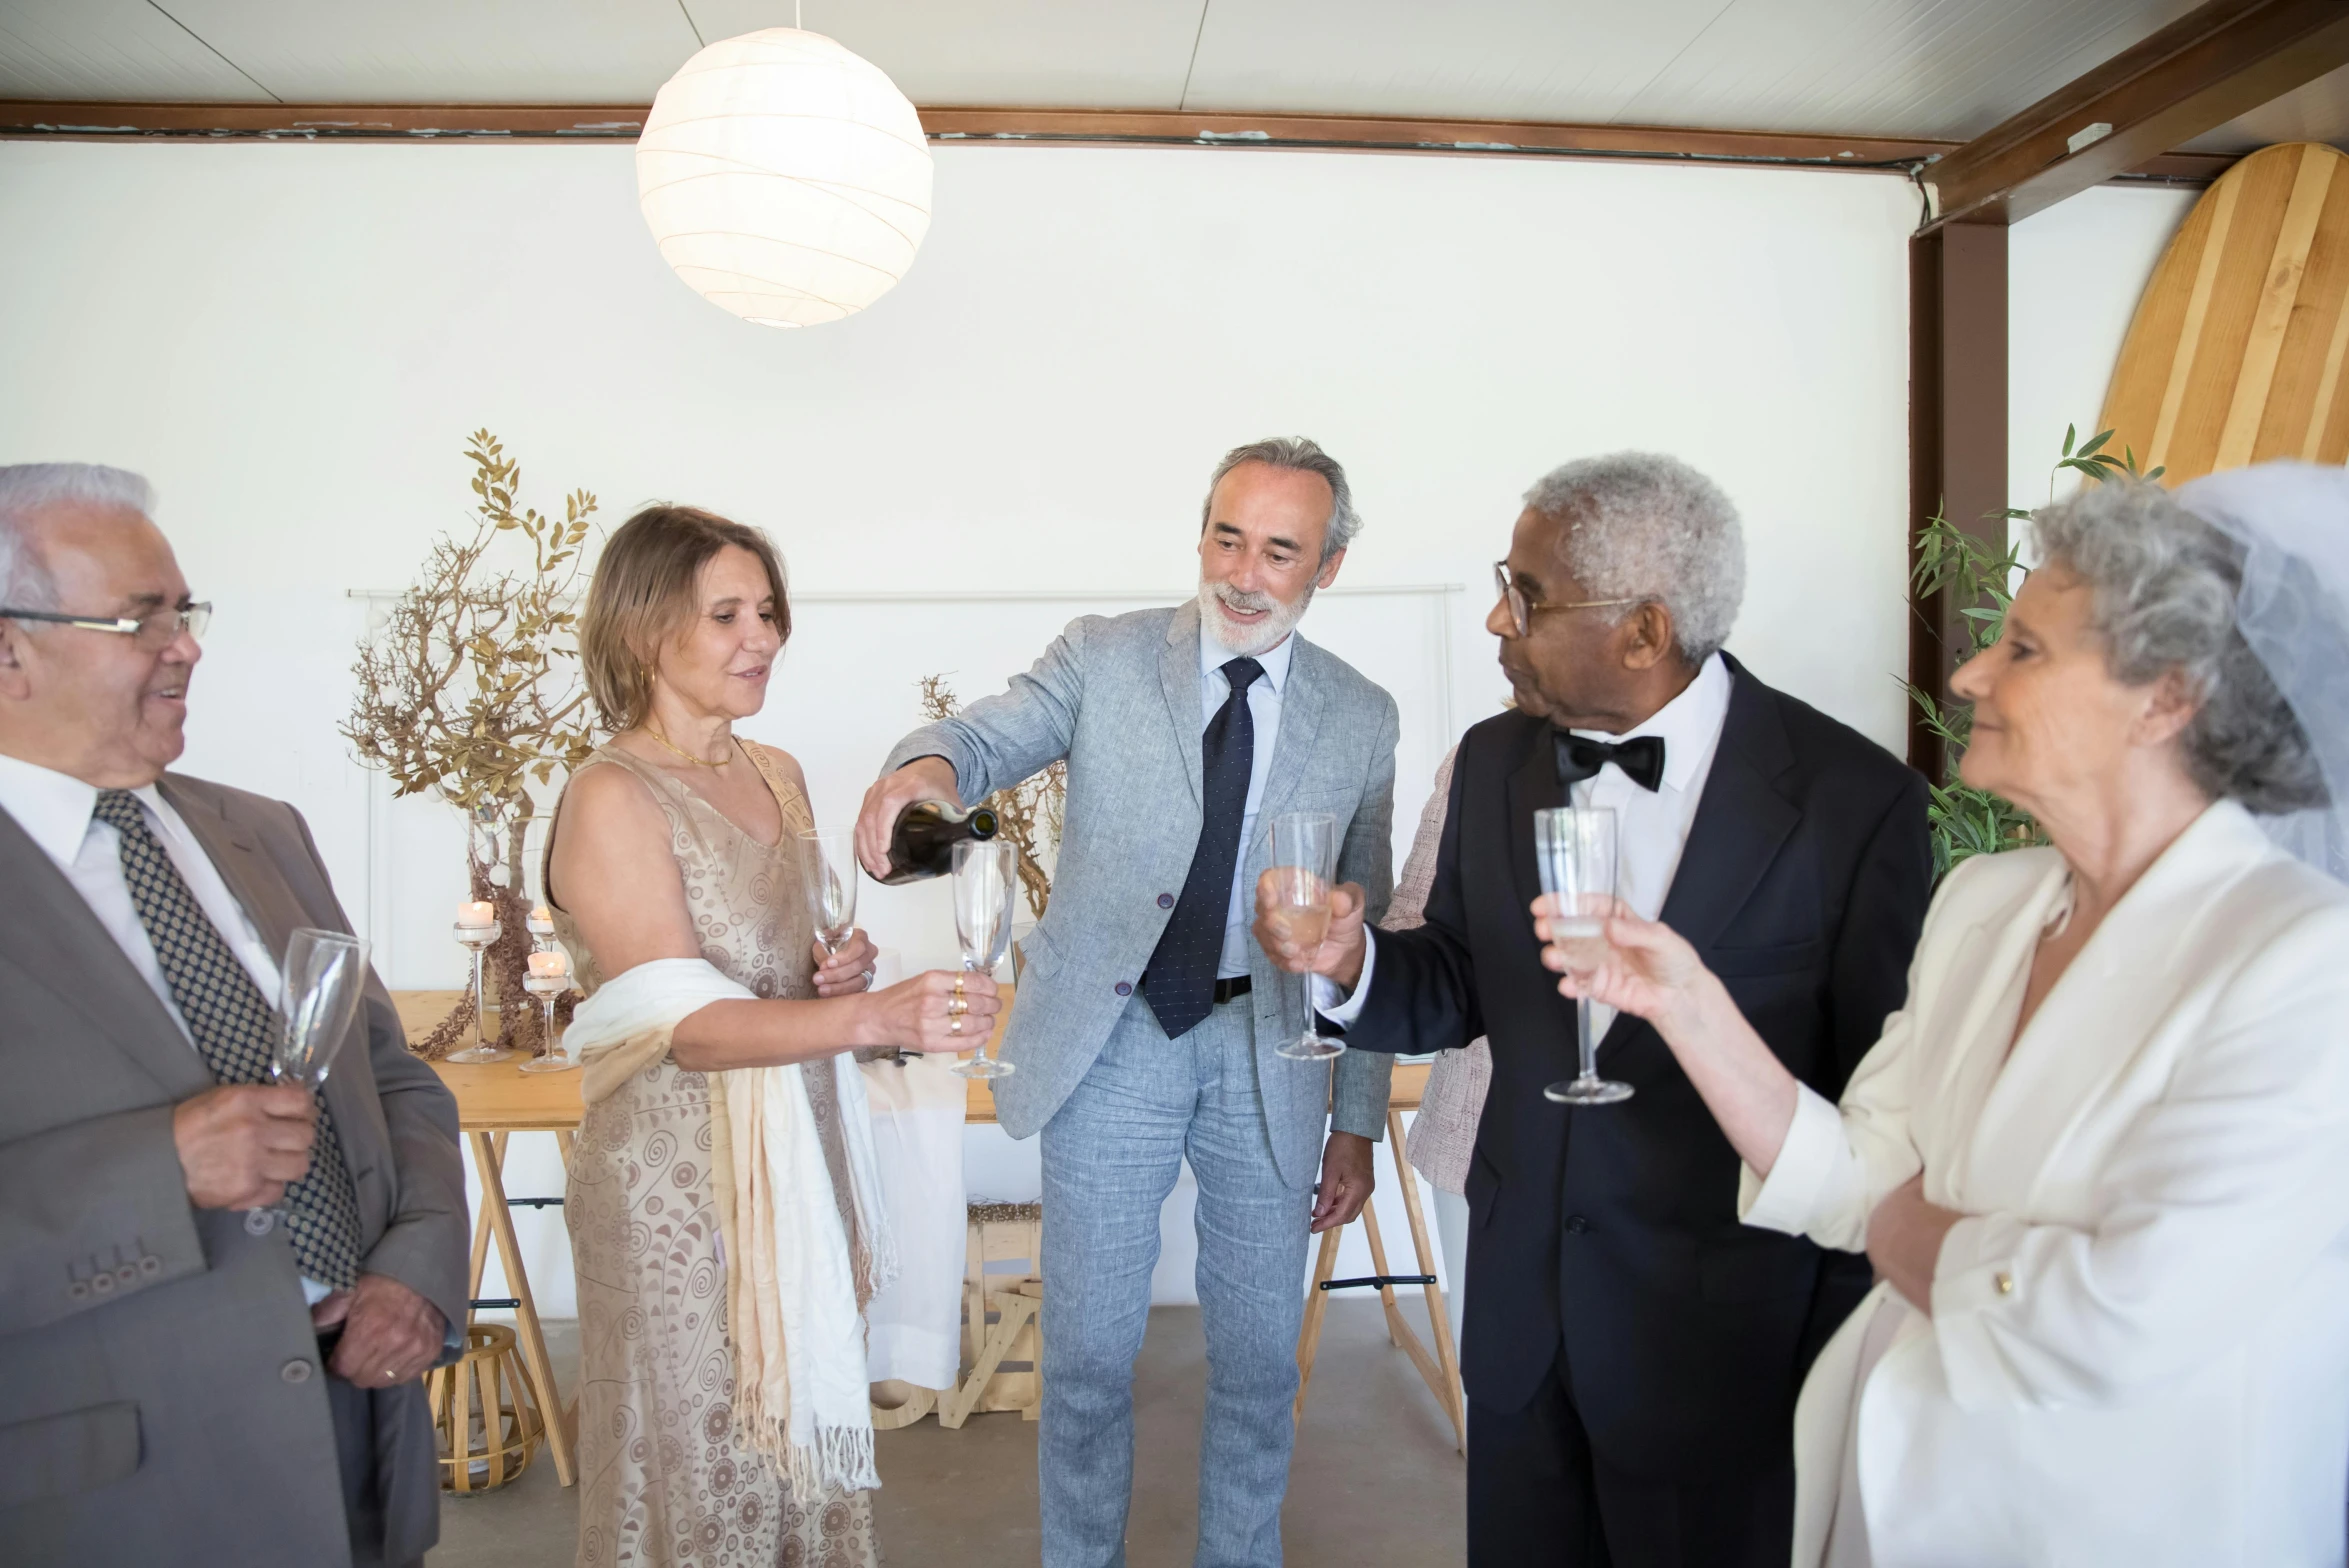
(234, 1028)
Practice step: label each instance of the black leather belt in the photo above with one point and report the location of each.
(1225, 990)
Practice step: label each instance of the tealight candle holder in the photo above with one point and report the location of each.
(477, 930)
(549, 980)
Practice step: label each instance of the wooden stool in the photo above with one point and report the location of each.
(483, 1413)
(1442, 1371)
(1002, 1334)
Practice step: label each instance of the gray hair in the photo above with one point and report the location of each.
(1305, 457)
(2162, 591)
(27, 488)
(1639, 525)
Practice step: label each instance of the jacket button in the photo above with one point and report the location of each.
(1124, 989)
(79, 1290)
(102, 1283)
(1166, 901)
(1577, 1225)
(295, 1371)
(150, 1265)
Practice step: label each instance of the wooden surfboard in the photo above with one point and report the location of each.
(2236, 353)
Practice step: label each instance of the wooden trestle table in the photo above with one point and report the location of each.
(495, 1100)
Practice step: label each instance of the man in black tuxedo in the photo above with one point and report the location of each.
(1631, 1352)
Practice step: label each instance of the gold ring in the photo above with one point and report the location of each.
(956, 1007)
(954, 1026)
(958, 985)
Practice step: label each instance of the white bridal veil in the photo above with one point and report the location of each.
(2292, 520)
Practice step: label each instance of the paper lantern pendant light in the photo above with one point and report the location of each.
(784, 178)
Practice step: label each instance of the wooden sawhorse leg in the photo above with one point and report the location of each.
(489, 1154)
(1441, 1372)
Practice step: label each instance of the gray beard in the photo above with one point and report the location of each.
(1250, 641)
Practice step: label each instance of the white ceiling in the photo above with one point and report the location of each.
(1935, 68)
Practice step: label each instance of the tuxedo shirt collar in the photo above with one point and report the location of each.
(1690, 725)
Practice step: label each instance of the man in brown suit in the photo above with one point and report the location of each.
(182, 1381)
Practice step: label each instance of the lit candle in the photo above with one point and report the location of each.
(542, 921)
(481, 912)
(550, 966)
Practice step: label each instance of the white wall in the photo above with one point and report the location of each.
(2074, 275)
(292, 341)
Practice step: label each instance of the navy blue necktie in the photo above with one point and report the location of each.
(1181, 989)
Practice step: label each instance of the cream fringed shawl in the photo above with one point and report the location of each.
(795, 1284)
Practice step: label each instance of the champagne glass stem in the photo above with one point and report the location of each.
(1305, 988)
(1584, 1043)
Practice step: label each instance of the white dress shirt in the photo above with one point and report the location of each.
(57, 812)
(1651, 826)
(1264, 711)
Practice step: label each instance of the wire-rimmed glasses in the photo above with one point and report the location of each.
(986, 879)
(1304, 865)
(1574, 846)
(155, 629)
(318, 999)
(1523, 609)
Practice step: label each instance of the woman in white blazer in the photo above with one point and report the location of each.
(2100, 1158)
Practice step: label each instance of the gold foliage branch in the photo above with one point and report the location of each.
(1031, 811)
(472, 691)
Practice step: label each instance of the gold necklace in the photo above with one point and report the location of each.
(699, 762)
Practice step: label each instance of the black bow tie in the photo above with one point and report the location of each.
(1641, 758)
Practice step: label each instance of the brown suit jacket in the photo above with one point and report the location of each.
(161, 1393)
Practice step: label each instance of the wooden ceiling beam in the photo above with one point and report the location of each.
(46, 120)
(2221, 60)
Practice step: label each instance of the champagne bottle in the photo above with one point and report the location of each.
(922, 843)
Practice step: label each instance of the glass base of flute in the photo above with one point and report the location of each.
(983, 1065)
(549, 989)
(1312, 1045)
(1587, 1087)
(479, 939)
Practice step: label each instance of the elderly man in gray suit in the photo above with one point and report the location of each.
(1147, 1017)
(182, 1381)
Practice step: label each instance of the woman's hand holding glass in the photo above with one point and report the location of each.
(1641, 967)
(941, 1012)
(849, 971)
(1648, 970)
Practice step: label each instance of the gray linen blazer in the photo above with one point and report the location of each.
(1119, 698)
(161, 1397)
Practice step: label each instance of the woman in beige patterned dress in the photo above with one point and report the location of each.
(677, 840)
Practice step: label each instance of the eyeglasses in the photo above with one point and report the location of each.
(1522, 610)
(154, 631)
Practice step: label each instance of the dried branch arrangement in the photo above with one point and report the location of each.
(1030, 810)
(472, 691)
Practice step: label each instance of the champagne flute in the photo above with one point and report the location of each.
(1575, 848)
(828, 870)
(986, 878)
(1304, 866)
(318, 1000)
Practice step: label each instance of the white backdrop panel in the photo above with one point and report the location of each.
(292, 342)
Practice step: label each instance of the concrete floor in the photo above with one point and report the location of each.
(1375, 1480)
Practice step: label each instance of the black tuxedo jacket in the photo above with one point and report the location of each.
(1612, 1233)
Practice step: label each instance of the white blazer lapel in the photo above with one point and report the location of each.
(1982, 981)
(2133, 971)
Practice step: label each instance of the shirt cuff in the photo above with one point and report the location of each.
(1975, 1281)
(1789, 1199)
(1326, 994)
